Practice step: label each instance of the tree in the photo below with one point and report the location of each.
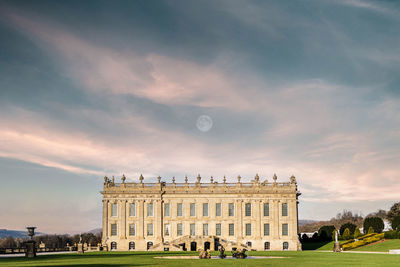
(315, 237)
(370, 230)
(8, 242)
(325, 232)
(375, 222)
(346, 234)
(304, 238)
(357, 232)
(395, 222)
(394, 211)
(351, 227)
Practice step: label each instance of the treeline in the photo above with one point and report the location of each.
(52, 241)
(349, 225)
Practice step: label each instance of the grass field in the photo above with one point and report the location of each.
(381, 247)
(293, 258)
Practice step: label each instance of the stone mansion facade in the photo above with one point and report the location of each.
(189, 216)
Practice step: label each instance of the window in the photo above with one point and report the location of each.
(231, 209)
(132, 209)
(231, 229)
(179, 229)
(285, 229)
(150, 209)
(113, 229)
(179, 209)
(205, 229)
(113, 245)
(132, 229)
(266, 209)
(285, 245)
(218, 209)
(205, 209)
(284, 209)
(192, 209)
(114, 210)
(192, 229)
(248, 209)
(267, 246)
(266, 228)
(166, 229)
(218, 229)
(248, 229)
(149, 229)
(131, 245)
(166, 209)
(149, 245)
(248, 243)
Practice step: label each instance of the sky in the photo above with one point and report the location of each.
(92, 88)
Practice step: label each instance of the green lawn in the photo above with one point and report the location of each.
(383, 247)
(294, 258)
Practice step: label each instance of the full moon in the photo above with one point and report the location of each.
(204, 123)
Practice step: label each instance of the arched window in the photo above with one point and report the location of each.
(267, 246)
(285, 245)
(131, 245)
(113, 245)
(149, 245)
(248, 244)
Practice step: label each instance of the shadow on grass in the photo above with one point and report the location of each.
(314, 245)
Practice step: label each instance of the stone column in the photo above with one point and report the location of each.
(140, 214)
(105, 220)
(122, 219)
(275, 228)
(158, 226)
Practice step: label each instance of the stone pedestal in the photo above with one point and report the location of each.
(336, 247)
(80, 248)
(30, 249)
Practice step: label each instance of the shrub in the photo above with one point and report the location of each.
(351, 227)
(346, 234)
(375, 222)
(395, 222)
(392, 234)
(365, 241)
(357, 232)
(370, 230)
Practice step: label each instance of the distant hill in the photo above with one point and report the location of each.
(96, 231)
(304, 222)
(14, 233)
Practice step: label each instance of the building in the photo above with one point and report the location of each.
(188, 216)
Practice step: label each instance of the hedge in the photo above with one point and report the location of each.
(392, 234)
(362, 242)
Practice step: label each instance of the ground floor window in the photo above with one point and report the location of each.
(285, 245)
(131, 245)
(248, 244)
(267, 246)
(149, 245)
(113, 245)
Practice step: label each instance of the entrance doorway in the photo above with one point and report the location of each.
(206, 245)
(113, 245)
(149, 245)
(193, 246)
(183, 246)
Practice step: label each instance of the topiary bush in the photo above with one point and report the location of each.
(346, 234)
(395, 222)
(325, 232)
(375, 222)
(349, 225)
(304, 238)
(357, 232)
(370, 230)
